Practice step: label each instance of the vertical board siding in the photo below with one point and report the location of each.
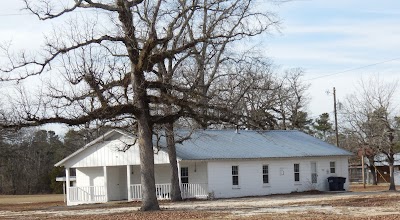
(92, 176)
(162, 173)
(109, 153)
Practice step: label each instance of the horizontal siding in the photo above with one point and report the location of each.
(281, 176)
(197, 171)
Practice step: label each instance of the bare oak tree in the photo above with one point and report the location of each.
(110, 68)
(370, 116)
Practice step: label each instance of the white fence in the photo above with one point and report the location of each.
(163, 191)
(190, 190)
(87, 194)
(136, 192)
(97, 194)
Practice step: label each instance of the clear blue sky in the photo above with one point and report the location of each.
(327, 37)
(322, 37)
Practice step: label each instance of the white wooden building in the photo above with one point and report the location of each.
(217, 163)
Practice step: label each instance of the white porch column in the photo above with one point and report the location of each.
(105, 182)
(64, 195)
(67, 183)
(178, 162)
(128, 178)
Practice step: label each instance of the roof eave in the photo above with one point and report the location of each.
(265, 158)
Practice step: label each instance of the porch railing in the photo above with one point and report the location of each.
(190, 190)
(87, 194)
(136, 192)
(163, 191)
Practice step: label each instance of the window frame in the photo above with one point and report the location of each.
(265, 173)
(185, 178)
(296, 172)
(332, 167)
(235, 175)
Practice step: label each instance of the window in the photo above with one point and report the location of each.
(185, 175)
(265, 174)
(296, 172)
(332, 167)
(235, 175)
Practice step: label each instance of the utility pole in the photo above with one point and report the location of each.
(363, 166)
(335, 111)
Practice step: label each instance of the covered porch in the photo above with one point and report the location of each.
(118, 183)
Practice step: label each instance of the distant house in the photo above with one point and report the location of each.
(382, 169)
(217, 163)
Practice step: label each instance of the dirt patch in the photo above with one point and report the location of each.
(158, 215)
(389, 200)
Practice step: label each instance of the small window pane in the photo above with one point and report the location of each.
(235, 180)
(296, 167)
(265, 179)
(235, 170)
(184, 171)
(297, 177)
(185, 179)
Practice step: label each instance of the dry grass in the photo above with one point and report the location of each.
(372, 202)
(18, 199)
(370, 188)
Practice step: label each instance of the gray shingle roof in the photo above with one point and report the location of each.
(227, 144)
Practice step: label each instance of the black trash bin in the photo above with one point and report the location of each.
(336, 183)
(333, 184)
(341, 181)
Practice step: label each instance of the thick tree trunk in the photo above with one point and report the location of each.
(392, 186)
(373, 174)
(145, 135)
(145, 138)
(371, 167)
(149, 198)
(175, 188)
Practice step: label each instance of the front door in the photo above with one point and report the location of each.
(314, 175)
(113, 183)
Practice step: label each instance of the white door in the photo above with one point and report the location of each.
(113, 182)
(314, 175)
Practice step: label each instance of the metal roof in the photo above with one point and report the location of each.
(381, 160)
(246, 144)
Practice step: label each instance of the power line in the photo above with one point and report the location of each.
(357, 68)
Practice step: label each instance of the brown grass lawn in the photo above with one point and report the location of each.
(370, 188)
(373, 202)
(18, 199)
